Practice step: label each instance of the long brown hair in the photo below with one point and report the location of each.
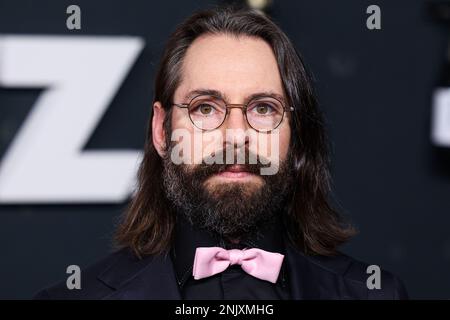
(313, 225)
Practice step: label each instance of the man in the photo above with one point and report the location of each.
(233, 193)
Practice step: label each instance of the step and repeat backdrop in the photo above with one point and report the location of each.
(66, 174)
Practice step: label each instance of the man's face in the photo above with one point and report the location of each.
(236, 67)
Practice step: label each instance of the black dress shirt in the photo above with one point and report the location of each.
(233, 283)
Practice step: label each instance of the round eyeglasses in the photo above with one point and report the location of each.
(208, 112)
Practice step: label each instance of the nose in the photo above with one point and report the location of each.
(237, 126)
(236, 118)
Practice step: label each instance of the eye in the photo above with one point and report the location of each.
(263, 109)
(204, 109)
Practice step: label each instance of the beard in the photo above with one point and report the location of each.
(231, 210)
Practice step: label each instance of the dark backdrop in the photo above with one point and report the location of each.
(374, 86)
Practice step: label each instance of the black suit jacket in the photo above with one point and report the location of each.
(122, 275)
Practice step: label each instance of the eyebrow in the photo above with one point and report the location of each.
(216, 93)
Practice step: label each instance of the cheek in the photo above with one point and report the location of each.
(180, 119)
(195, 143)
(274, 146)
(285, 139)
(212, 141)
(181, 137)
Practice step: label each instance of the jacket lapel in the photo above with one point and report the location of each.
(151, 277)
(312, 279)
(303, 279)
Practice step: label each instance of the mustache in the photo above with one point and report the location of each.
(209, 167)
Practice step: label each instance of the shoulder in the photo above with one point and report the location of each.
(370, 279)
(94, 280)
(339, 277)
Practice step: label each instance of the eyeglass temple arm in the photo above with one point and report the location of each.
(181, 105)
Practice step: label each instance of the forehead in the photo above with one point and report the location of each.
(235, 66)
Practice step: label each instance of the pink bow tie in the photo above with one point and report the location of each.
(261, 264)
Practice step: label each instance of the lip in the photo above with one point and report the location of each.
(234, 175)
(235, 172)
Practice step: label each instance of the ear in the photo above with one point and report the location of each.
(158, 134)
